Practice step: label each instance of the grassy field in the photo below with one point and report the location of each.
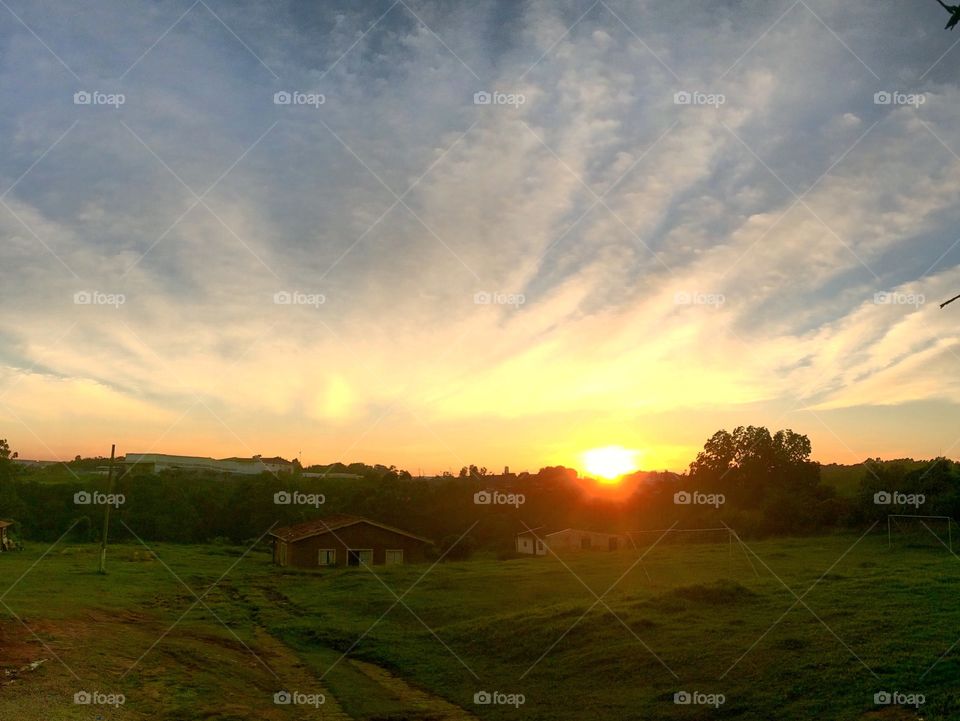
(703, 618)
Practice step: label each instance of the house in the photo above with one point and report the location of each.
(574, 539)
(570, 539)
(344, 540)
(529, 542)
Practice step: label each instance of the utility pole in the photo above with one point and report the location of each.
(106, 512)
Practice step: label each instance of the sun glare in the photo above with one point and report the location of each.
(609, 463)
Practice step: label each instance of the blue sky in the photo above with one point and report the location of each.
(655, 270)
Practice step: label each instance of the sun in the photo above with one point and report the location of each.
(610, 462)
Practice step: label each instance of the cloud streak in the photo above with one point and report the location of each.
(670, 257)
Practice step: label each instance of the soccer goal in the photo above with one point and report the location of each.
(920, 531)
(721, 534)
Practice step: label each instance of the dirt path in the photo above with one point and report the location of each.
(295, 676)
(425, 705)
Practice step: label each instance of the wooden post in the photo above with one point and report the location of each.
(106, 513)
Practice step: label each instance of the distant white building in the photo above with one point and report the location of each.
(528, 542)
(574, 539)
(569, 539)
(156, 462)
(34, 464)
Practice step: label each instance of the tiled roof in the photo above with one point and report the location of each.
(331, 524)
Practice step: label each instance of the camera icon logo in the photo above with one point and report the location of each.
(882, 98)
(82, 97)
(82, 297)
(682, 98)
(482, 98)
(483, 498)
(282, 498)
(283, 298)
(882, 498)
(482, 698)
(282, 698)
(282, 97)
(882, 698)
(82, 498)
(682, 698)
(482, 298)
(682, 498)
(83, 697)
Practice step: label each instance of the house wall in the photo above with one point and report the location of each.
(527, 544)
(305, 553)
(572, 540)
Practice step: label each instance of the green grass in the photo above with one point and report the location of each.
(697, 611)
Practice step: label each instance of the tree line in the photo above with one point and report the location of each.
(754, 481)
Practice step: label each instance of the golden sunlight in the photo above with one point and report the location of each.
(608, 464)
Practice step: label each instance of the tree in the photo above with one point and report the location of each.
(7, 466)
(757, 471)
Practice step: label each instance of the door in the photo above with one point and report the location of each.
(360, 556)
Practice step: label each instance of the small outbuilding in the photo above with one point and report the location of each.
(538, 543)
(574, 539)
(344, 540)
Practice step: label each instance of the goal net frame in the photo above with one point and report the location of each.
(665, 532)
(948, 519)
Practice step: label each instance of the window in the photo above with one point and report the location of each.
(585, 542)
(360, 556)
(394, 557)
(539, 545)
(327, 557)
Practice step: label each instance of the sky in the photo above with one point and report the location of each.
(498, 232)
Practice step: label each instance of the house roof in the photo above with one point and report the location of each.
(5, 524)
(531, 531)
(581, 530)
(331, 524)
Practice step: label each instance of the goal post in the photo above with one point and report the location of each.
(918, 529)
(688, 535)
